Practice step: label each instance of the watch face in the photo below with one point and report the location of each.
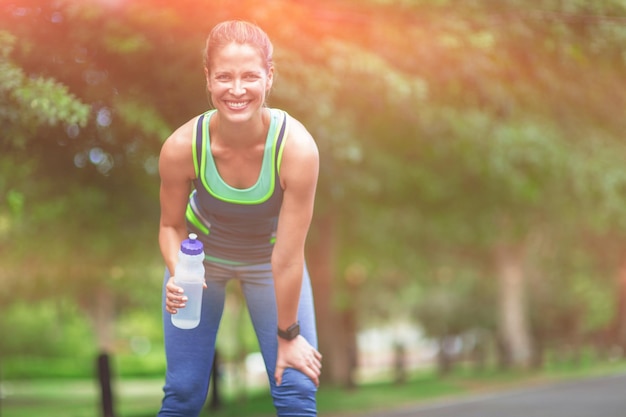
(291, 332)
(294, 330)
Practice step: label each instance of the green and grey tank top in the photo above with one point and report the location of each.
(236, 226)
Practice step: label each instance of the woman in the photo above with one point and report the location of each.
(248, 164)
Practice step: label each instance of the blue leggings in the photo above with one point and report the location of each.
(190, 352)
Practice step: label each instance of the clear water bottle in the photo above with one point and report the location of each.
(189, 275)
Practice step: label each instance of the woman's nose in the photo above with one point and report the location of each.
(237, 88)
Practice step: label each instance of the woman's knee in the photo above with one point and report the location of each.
(295, 396)
(183, 400)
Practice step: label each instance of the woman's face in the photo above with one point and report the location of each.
(238, 81)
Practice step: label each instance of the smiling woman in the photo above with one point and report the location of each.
(237, 48)
(238, 81)
(254, 171)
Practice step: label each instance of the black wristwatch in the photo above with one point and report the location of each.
(291, 333)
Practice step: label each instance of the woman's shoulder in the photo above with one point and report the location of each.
(299, 143)
(183, 134)
(296, 131)
(178, 144)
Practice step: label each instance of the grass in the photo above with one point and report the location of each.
(141, 397)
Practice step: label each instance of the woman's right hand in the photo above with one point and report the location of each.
(174, 297)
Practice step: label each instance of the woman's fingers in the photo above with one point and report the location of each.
(313, 365)
(315, 362)
(300, 355)
(174, 298)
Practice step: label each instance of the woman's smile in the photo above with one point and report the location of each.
(236, 105)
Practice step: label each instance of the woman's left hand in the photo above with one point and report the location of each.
(300, 355)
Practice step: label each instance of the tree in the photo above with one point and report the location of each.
(443, 132)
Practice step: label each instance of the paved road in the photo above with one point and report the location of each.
(595, 397)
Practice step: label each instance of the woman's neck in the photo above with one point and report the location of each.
(242, 134)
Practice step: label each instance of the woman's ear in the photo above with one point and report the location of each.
(206, 76)
(208, 87)
(270, 79)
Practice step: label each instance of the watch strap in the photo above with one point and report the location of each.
(290, 333)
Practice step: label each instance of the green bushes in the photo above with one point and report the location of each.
(53, 339)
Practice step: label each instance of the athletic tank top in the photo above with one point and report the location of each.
(236, 226)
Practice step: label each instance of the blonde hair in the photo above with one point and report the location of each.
(241, 32)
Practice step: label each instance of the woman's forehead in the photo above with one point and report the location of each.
(237, 54)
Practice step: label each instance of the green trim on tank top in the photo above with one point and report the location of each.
(224, 261)
(194, 152)
(260, 191)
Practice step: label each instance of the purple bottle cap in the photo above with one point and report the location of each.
(191, 246)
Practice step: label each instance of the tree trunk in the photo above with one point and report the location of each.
(334, 338)
(399, 363)
(445, 362)
(513, 317)
(102, 312)
(619, 327)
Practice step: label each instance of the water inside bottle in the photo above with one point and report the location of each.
(188, 317)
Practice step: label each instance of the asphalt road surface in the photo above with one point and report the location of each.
(594, 397)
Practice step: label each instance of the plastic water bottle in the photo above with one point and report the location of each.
(189, 275)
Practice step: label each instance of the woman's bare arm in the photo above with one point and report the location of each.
(299, 172)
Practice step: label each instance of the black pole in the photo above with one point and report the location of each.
(104, 376)
(215, 398)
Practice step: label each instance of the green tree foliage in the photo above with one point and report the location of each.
(32, 102)
(516, 110)
(448, 130)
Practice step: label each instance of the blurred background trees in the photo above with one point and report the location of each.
(472, 177)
